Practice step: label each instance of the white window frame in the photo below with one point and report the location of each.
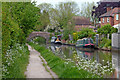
(117, 17)
(103, 20)
(108, 19)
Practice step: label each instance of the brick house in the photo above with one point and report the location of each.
(81, 22)
(112, 17)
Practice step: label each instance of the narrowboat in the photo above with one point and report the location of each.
(58, 41)
(53, 39)
(85, 43)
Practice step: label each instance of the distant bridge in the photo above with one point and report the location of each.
(45, 35)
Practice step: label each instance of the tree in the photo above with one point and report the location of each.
(86, 10)
(18, 20)
(29, 18)
(86, 32)
(59, 17)
(66, 11)
(45, 6)
(26, 14)
(107, 29)
(44, 19)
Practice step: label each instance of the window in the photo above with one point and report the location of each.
(117, 17)
(103, 20)
(108, 19)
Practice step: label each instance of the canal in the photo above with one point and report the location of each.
(106, 61)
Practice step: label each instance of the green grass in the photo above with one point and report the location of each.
(59, 67)
(18, 59)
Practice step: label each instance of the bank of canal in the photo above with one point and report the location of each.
(107, 61)
(98, 62)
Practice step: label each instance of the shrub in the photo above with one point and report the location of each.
(108, 44)
(107, 29)
(39, 40)
(105, 43)
(86, 32)
(75, 37)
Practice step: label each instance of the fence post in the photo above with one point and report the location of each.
(97, 39)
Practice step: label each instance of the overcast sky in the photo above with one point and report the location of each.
(54, 2)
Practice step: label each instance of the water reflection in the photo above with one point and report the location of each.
(103, 57)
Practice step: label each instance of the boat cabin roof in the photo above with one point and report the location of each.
(53, 37)
(84, 39)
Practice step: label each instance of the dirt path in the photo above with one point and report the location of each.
(35, 68)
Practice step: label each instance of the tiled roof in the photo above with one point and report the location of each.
(116, 10)
(109, 0)
(79, 20)
(111, 13)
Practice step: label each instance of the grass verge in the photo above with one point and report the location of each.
(15, 61)
(59, 67)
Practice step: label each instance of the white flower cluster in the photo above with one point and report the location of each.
(94, 67)
(10, 57)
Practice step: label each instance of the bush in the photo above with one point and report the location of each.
(108, 44)
(86, 32)
(107, 29)
(51, 30)
(105, 43)
(75, 36)
(40, 40)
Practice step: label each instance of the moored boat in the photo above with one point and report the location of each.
(58, 41)
(53, 39)
(85, 43)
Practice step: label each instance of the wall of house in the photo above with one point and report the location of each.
(111, 22)
(116, 21)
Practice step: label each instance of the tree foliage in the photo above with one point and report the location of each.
(86, 10)
(45, 6)
(18, 20)
(86, 32)
(107, 29)
(62, 14)
(44, 18)
(66, 11)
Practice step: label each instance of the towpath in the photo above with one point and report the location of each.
(35, 68)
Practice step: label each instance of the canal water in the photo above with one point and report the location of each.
(103, 57)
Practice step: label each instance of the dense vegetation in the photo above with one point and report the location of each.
(85, 32)
(15, 61)
(39, 40)
(105, 30)
(59, 18)
(18, 20)
(60, 67)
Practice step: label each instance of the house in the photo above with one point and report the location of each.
(102, 6)
(81, 22)
(112, 17)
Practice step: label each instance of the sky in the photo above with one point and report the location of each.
(54, 2)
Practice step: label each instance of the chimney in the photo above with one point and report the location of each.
(108, 9)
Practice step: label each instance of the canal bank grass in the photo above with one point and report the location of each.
(15, 62)
(46, 67)
(59, 66)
